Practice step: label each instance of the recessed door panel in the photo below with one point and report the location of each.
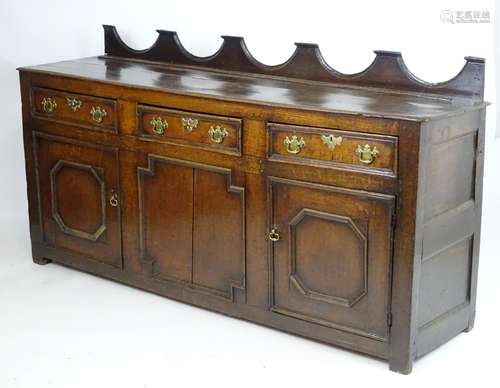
(166, 203)
(218, 240)
(79, 197)
(331, 264)
(328, 256)
(192, 225)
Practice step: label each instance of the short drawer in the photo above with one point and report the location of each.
(94, 112)
(333, 148)
(216, 133)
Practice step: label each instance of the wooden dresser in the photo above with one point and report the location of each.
(342, 208)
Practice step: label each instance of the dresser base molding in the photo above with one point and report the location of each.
(341, 208)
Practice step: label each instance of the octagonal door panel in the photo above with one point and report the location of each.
(76, 181)
(332, 262)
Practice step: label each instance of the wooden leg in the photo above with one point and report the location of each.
(401, 365)
(471, 322)
(41, 260)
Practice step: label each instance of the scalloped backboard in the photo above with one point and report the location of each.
(387, 70)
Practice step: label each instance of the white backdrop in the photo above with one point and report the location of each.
(62, 328)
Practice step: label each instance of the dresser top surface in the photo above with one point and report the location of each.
(261, 89)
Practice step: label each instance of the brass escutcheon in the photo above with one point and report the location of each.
(113, 199)
(159, 125)
(49, 104)
(74, 103)
(274, 235)
(294, 145)
(366, 154)
(331, 141)
(217, 133)
(188, 123)
(98, 114)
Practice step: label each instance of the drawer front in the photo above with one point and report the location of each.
(96, 113)
(333, 148)
(219, 134)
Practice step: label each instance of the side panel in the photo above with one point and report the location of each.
(453, 173)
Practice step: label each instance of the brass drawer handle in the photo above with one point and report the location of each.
(274, 235)
(49, 104)
(331, 141)
(74, 103)
(188, 124)
(294, 145)
(159, 125)
(113, 199)
(98, 114)
(367, 154)
(217, 133)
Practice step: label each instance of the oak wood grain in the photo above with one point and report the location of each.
(378, 257)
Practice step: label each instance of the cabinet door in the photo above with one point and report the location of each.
(332, 257)
(192, 225)
(78, 197)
